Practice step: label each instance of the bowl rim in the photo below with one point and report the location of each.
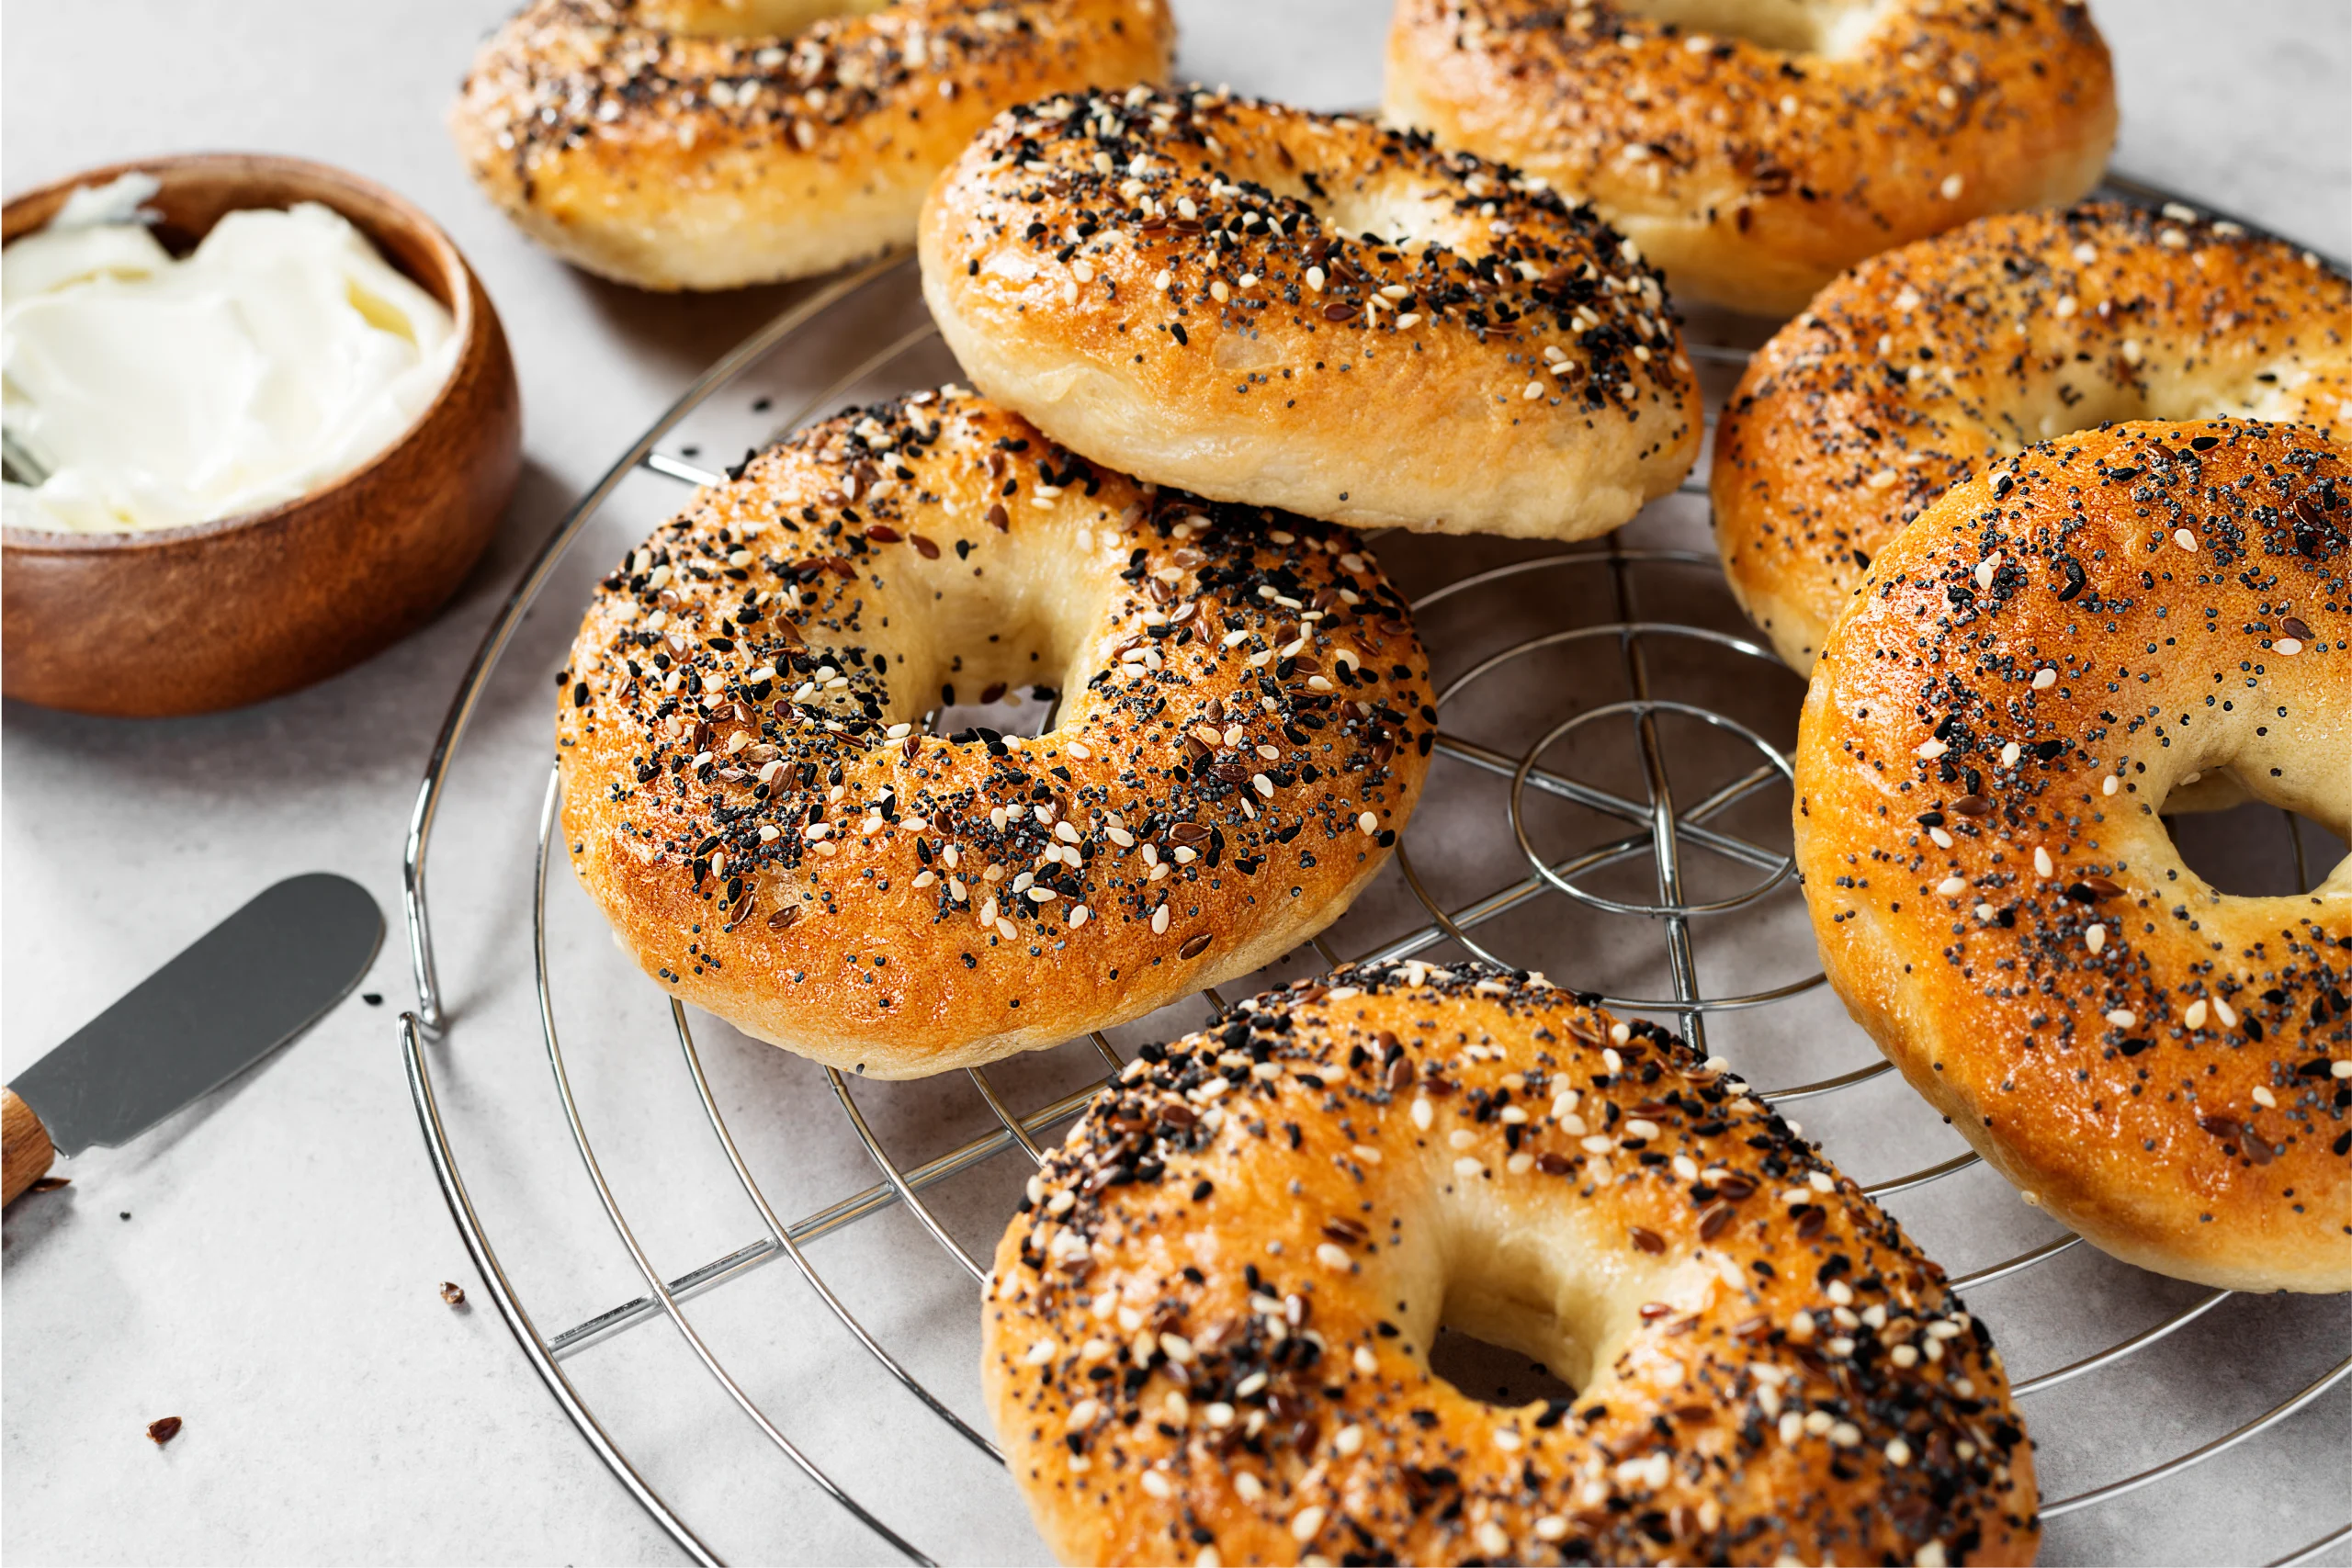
(330, 181)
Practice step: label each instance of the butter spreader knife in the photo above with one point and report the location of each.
(231, 996)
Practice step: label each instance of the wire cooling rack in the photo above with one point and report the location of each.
(1636, 736)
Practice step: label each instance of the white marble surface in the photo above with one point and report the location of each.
(273, 1282)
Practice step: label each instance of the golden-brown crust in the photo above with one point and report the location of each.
(1244, 725)
(1303, 311)
(1914, 368)
(1754, 171)
(2153, 1061)
(642, 149)
(1207, 1332)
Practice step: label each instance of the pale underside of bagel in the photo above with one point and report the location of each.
(1804, 135)
(1406, 458)
(2105, 1077)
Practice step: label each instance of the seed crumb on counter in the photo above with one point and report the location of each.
(452, 1293)
(163, 1431)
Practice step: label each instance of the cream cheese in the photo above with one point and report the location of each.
(154, 392)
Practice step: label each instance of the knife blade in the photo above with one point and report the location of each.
(230, 997)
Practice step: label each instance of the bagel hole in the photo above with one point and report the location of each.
(750, 18)
(1494, 1374)
(2249, 850)
(1795, 27)
(1517, 1323)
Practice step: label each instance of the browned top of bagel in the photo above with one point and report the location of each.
(1266, 1219)
(678, 145)
(1243, 726)
(1299, 309)
(1755, 167)
(1914, 368)
(2029, 670)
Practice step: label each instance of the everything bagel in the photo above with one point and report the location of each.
(2030, 670)
(1921, 365)
(712, 144)
(1244, 725)
(1207, 1333)
(1756, 168)
(1301, 310)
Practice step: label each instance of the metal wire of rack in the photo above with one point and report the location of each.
(1655, 828)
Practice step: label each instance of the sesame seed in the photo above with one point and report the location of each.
(1952, 886)
(2194, 1014)
(2043, 865)
(2184, 539)
(1951, 188)
(2288, 646)
(2044, 678)
(2110, 784)
(1468, 1166)
(1305, 1523)
(2095, 938)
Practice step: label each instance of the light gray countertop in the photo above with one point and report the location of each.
(265, 1265)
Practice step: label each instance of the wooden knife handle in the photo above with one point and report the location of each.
(25, 1143)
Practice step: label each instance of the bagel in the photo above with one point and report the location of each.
(749, 795)
(713, 143)
(1755, 168)
(1207, 1332)
(1922, 364)
(2030, 669)
(1301, 310)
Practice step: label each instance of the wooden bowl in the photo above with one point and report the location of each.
(219, 613)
